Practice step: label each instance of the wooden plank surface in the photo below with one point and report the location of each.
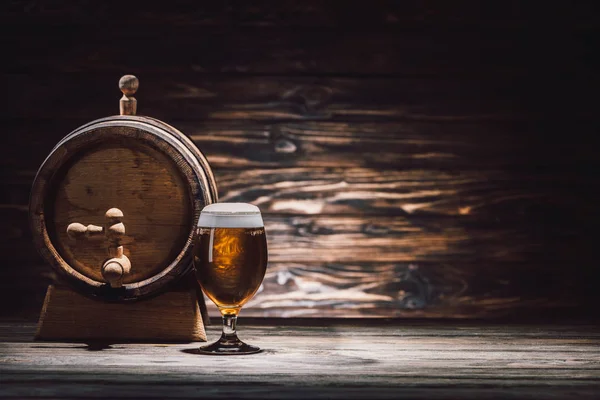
(343, 360)
(419, 147)
(471, 195)
(487, 227)
(373, 289)
(343, 239)
(411, 290)
(508, 146)
(294, 37)
(204, 97)
(306, 14)
(490, 249)
(291, 51)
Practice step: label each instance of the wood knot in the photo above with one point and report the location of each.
(285, 146)
(281, 142)
(311, 97)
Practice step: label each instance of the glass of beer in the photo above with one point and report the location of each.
(230, 257)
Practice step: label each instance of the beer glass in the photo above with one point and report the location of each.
(230, 258)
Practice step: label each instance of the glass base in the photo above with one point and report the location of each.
(228, 344)
(225, 347)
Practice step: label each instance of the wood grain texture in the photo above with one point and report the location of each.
(386, 239)
(503, 256)
(411, 290)
(505, 145)
(389, 145)
(381, 266)
(404, 211)
(343, 360)
(283, 98)
(491, 196)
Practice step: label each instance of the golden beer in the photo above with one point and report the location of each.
(230, 264)
(230, 257)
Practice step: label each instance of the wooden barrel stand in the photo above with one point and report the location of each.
(174, 316)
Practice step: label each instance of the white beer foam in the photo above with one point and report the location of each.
(230, 215)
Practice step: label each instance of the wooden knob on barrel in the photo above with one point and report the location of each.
(119, 265)
(77, 230)
(116, 268)
(115, 228)
(128, 84)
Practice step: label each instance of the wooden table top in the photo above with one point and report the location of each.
(372, 359)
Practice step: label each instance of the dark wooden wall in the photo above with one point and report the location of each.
(428, 159)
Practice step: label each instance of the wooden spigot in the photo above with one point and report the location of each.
(128, 84)
(118, 266)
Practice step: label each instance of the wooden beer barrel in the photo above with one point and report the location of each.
(114, 206)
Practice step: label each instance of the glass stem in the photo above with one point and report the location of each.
(229, 322)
